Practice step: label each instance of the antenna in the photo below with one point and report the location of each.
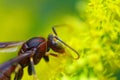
(53, 28)
(54, 31)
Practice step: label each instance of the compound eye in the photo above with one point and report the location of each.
(57, 46)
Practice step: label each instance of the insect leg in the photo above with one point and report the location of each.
(19, 74)
(18, 67)
(52, 54)
(33, 68)
(46, 58)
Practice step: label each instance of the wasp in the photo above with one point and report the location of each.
(30, 54)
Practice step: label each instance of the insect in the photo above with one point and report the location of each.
(39, 48)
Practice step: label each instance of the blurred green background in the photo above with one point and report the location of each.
(94, 31)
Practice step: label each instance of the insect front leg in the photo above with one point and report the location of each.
(46, 56)
(52, 54)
